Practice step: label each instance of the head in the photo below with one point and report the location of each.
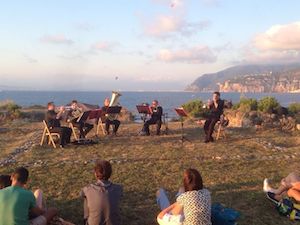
(154, 103)
(4, 181)
(74, 104)
(50, 106)
(106, 102)
(103, 170)
(20, 176)
(192, 180)
(216, 96)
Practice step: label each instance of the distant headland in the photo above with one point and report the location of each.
(251, 78)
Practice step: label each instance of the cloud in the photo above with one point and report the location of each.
(56, 39)
(252, 55)
(280, 37)
(278, 44)
(166, 25)
(85, 26)
(104, 46)
(29, 59)
(198, 54)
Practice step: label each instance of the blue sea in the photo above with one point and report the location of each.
(129, 100)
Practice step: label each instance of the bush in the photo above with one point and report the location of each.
(294, 108)
(268, 105)
(195, 108)
(11, 108)
(246, 105)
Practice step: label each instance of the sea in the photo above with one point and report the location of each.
(129, 100)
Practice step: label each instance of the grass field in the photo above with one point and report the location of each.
(232, 169)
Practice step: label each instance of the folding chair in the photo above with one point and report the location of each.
(73, 131)
(47, 133)
(221, 128)
(100, 124)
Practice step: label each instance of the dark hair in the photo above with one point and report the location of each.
(74, 101)
(103, 169)
(21, 174)
(50, 103)
(217, 93)
(4, 181)
(192, 180)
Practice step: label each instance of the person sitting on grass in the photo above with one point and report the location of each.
(192, 206)
(18, 204)
(289, 186)
(4, 181)
(102, 198)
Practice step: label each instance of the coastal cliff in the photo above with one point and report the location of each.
(251, 78)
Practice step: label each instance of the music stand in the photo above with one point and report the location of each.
(95, 114)
(113, 110)
(144, 110)
(182, 114)
(84, 116)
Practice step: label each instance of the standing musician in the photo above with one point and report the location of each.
(156, 118)
(216, 107)
(53, 121)
(74, 115)
(108, 121)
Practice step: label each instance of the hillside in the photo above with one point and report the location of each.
(233, 168)
(250, 78)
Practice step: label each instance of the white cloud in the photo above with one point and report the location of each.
(85, 26)
(104, 46)
(280, 43)
(166, 25)
(56, 39)
(198, 54)
(280, 37)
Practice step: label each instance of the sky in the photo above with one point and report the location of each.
(136, 45)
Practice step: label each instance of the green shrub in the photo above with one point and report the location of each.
(12, 109)
(294, 108)
(246, 104)
(268, 104)
(195, 108)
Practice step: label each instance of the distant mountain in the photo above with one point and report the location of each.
(250, 78)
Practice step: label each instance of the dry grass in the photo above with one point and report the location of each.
(233, 169)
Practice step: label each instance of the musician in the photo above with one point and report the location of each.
(74, 115)
(216, 107)
(156, 118)
(53, 121)
(108, 121)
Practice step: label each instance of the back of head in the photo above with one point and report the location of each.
(4, 181)
(103, 170)
(20, 175)
(192, 180)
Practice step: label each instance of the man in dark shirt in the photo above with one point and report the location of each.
(74, 115)
(109, 120)
(156, 118)
(216, 107)
(53, 122)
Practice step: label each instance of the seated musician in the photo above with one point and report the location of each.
(156, 118)
(216, 107)
(110, 120)
(53, 122)
(74, 115)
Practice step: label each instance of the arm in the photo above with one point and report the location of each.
(175, 208)
(37, 211)
(159, 111)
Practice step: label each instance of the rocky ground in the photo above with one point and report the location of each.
(232, 168)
